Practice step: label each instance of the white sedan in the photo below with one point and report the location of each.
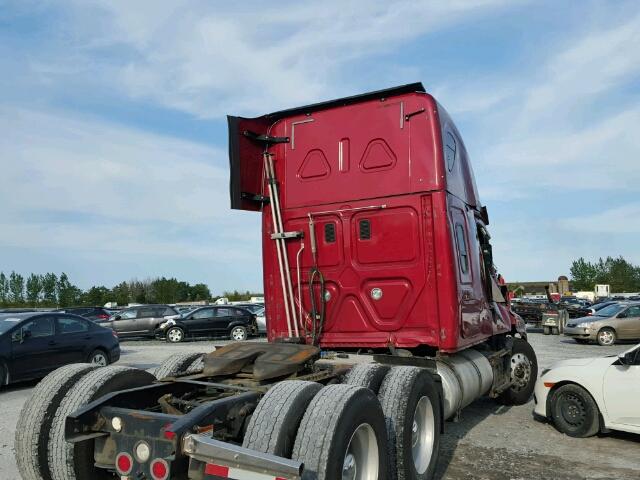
(585, 396)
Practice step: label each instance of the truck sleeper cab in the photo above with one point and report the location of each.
(374, 243)
(401, 237)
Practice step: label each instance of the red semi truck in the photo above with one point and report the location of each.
(385, 318)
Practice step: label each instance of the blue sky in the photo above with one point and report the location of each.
(113, 147)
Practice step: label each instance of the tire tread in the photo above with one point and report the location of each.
(36, 418)
(273, 425)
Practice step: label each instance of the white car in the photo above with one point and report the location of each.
(585, 396)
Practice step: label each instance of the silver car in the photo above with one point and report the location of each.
(620, 321)
(140, 321)
(261, 320)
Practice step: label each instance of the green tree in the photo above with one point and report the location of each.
(65, 291)
(4, 289)
(16, 288)
(49, 281)
(34, 287)
(621, 275)
(96, 296)
(617, 272)
(583, 274)
(199, 291)
(120, 293)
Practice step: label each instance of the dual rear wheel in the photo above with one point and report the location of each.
(381, 424)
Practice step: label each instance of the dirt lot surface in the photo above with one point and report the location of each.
(490, 442)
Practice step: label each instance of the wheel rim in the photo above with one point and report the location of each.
(361, 459)
(606, 337)
(573, 409)
(99, 359)
(520, 371)
(422, 435)
(175, 335)
(238, 334)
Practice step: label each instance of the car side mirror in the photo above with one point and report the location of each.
(628, 358)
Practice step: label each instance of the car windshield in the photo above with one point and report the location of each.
(6, 322)
(609, 311)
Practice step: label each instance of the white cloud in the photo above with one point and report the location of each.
(210, 58)
(80, 184)
(616, 221)
(563, 124)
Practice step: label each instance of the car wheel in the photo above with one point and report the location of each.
(606, 337)
(574, 412)
(555, 331)
(175, 335)
(239, 334)
(99, 358)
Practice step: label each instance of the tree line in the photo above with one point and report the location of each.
(51, 290)
(621, 275)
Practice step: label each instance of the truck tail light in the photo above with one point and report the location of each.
(236, 473)
(159, 469)
(124, 463)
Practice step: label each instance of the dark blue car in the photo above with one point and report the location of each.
(36, 343)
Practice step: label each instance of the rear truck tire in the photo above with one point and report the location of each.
(574, 412)
(177, 364)
(275, 421)
(175, 335)
(75, 461)
(99, 358)
(411, 403)
(36, 417)
(197, 366)
(367, 375)
(607, 337)
(555, 331)
(524, 373)
(239, 334)
(343, 433)
(546, 330)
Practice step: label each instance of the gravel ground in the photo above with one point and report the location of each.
(490, 442)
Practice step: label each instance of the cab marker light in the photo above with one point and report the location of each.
(549, 384)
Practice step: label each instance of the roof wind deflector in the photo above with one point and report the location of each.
(249, 136)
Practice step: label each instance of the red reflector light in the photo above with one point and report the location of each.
(169, 435)
(124, 463)
(218, 470)
(159, 469)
